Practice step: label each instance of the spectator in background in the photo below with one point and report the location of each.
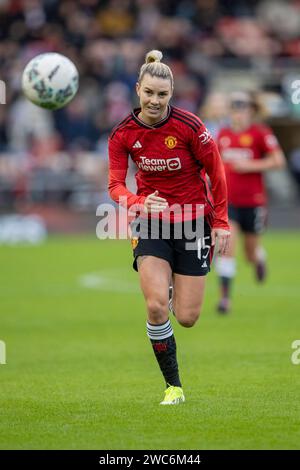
(23, 131)
(75, 125)
(100, 36)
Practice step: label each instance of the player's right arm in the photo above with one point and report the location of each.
(118, 167)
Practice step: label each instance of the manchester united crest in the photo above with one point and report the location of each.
(246, 140)
(171, 142)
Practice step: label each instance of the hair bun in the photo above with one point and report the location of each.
(153, 56)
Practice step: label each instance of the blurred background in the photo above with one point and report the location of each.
(54, 164)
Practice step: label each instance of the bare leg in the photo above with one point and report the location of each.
(155, 274)
(188, 298)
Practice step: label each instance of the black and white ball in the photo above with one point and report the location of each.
(50, 80)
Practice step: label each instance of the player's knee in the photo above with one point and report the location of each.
(157, 310)
(188, 319)
(187, 322)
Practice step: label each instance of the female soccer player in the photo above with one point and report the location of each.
(248, 150)
(173, 151)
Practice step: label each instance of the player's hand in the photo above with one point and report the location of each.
(222, 236)
(154, 203)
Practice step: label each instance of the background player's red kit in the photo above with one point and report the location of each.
(245, 189)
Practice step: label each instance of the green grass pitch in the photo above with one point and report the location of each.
(80, 372)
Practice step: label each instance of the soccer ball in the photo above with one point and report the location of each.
(50, 80)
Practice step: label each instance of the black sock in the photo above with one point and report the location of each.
(164, 347)
(225, 285)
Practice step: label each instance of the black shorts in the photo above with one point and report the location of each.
(250, 219)
(186, 255)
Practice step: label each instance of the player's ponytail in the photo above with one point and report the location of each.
(154, 67)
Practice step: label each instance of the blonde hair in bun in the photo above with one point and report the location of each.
(154, 67)
(153, 56)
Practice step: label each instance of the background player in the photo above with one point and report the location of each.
(172, 150)
(248, 150)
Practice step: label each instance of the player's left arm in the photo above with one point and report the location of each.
(273, 157)
(214, 168)
(273, 160)
(206, 151)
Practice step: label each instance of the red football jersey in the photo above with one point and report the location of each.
(245, 189)
(173, 157)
